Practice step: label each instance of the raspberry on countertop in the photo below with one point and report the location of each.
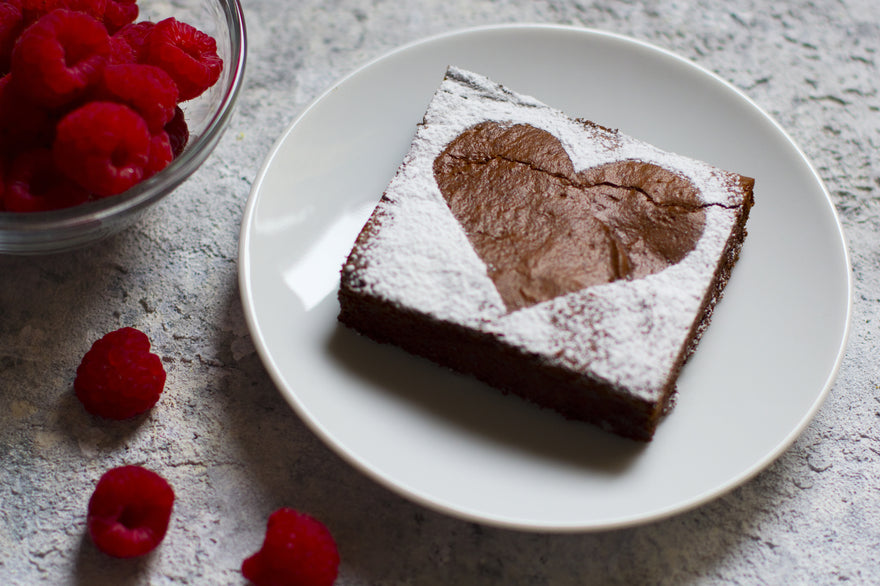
(119, 377)
(129, 511)
(298, 550)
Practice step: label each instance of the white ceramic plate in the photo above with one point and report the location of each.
(452, 444)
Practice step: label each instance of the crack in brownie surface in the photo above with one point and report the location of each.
(544, 230)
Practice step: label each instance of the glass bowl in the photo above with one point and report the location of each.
(207, 117)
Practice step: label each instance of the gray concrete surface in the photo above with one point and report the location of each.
(233, 449)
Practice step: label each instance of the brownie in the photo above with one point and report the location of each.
(550, 257)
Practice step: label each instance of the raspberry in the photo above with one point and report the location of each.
(120, 51)
(161, 154)
(11, 25)
(298, 551)
(129, 511)
(57, 58)
(33, 10)
(178, 132)
(187, 54)
(146, 89)
(103, 147)
(135, 35)
(33, 184)
(119, 377)
(119, 13)
(94, 8)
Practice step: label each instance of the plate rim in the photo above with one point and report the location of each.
(282, 385)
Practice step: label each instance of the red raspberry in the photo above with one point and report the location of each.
(120, 51)
(119, 13)
(33, 184)
(298, 551)
(33, 10)
(146, 89)
(178, 132)
(58, 57)
(129, 511)
(94, 8)
(119, 377)
(103, 147)
(11, 25)
(135, 35)
(187, 54)
(161, 154)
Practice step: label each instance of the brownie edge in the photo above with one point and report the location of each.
(508, 369)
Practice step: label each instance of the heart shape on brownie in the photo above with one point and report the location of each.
(544, 230)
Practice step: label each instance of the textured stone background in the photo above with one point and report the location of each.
(233, 449)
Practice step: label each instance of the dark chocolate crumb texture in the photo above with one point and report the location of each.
(550, 257)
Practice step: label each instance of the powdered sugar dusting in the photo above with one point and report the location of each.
(628, 333)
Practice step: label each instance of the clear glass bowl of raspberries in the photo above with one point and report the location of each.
(106, 106)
